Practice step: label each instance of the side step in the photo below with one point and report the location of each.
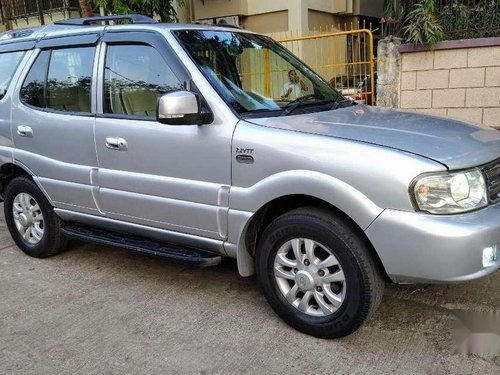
(141, 245)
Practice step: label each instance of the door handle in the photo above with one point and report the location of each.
(116, 143)
(25, 131)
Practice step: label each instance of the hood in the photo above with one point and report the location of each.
(453, 143)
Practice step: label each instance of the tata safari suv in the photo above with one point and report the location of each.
(177, 141)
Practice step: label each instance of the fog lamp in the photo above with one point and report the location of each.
(490, 255)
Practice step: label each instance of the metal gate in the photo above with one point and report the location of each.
(345, 59)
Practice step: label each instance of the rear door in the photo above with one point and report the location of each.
(53, 120)
(164, 176)
(10, 58)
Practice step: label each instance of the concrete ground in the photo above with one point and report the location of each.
(102, 310)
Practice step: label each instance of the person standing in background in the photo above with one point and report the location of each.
(294, 87)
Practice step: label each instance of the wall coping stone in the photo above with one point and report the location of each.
(451, 44)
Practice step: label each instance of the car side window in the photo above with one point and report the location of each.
(8, 64)
(134, 77)
(60, 79)
(69, 79)
(33, 89)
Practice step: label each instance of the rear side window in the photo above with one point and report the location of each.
(33, 89)
(8, 64)
(60, 79)
(135, 76)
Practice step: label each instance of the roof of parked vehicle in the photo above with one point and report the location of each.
(75, 26)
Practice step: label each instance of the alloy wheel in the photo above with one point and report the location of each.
(310, 277)
(28, 218)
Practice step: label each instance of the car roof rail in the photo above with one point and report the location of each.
(133, 18)
(20, 33)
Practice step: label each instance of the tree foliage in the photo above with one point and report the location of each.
(474, 19)
(428, 21)
(163, 9)
(422, 25)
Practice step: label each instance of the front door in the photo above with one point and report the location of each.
(164, 176)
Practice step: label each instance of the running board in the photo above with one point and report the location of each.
(141, 245)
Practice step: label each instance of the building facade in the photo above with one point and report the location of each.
(300, 17)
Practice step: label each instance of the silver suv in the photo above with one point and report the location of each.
(194, 143)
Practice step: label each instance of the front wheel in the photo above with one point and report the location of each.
(317, 273)
(31, 220)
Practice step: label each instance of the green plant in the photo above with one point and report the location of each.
(396, 8)
(477, 20)
(422, 25)
(160, 8)
(455, 17)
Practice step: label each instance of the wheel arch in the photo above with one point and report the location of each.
(281, 205)
(9, 171)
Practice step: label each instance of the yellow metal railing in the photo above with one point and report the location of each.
(267, 72)
(343, 58)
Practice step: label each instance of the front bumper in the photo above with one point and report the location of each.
(418, 247)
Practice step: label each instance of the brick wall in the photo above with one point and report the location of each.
(459, 79)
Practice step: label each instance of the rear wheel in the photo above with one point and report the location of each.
(317, 273)
(31, 220)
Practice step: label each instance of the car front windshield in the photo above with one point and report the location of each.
(253, 73)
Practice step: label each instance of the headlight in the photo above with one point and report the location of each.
(453, 192)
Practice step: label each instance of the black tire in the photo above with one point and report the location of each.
(364, 281)
(52, 241)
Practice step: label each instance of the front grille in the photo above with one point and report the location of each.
(492, 174)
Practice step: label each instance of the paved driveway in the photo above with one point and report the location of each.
(98, 310)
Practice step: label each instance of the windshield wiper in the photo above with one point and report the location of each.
(299, 101)
(343, 103)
